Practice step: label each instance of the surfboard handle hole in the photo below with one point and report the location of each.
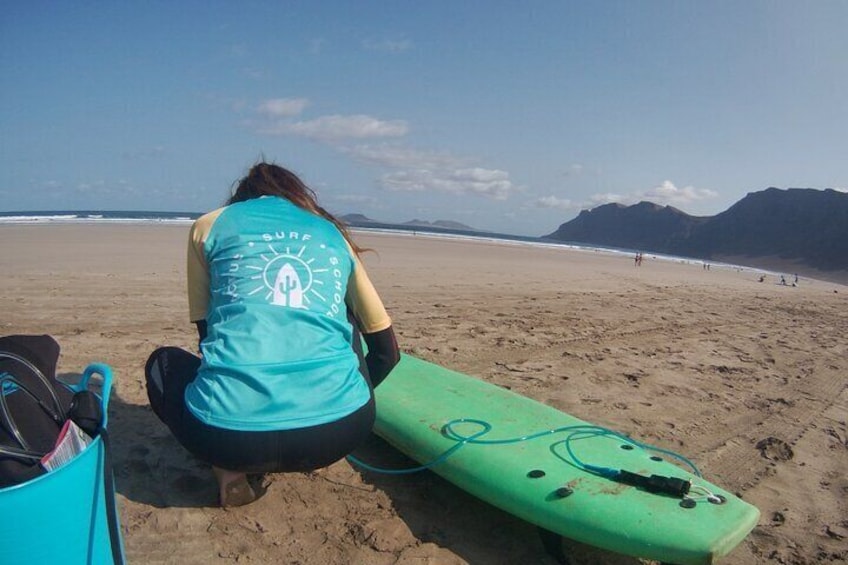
(562, 492)
(656, 458)
(536, 474)
(626, 447)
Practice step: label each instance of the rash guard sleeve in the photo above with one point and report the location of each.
(362, 297)
(374, 323)
(197, 268)
(383, 354)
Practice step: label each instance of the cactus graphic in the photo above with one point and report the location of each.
(288, 290)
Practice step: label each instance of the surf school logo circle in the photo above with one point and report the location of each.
(295, 274)
(288, 277)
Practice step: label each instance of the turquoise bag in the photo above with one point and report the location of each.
(67, 515)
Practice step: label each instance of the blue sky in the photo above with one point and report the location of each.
(506, 116)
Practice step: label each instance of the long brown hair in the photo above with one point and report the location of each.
(268, 179)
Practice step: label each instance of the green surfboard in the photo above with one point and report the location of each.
(548, 479)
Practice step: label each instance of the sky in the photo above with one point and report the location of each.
(509, 117)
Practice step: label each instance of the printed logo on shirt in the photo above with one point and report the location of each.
(288, 269)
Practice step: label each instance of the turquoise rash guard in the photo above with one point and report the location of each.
(271, 280)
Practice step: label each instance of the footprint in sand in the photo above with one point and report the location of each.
(775, 449)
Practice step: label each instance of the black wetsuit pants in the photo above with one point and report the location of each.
(170, 369)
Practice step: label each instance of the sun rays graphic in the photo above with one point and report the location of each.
(287, 277)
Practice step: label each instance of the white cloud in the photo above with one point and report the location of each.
(282, 107)
(316, 45)
(337, 127)
(410, 170)
(558, 203)
(555, 202)
(609, 198)
(356, 198)
(95, 187)
(255, 73)
(387, 45)
(491, 183)
(144, 154)
(667, 193)
(238, 50)
(404, 157)
(575, 170)
(422, 171)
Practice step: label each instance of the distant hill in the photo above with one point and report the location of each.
(805, 226)
(444, 224)
(362, 221)
(357, 219)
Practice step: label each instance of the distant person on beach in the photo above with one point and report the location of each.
(279, 297)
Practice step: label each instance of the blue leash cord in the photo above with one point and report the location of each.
(462, 440)
(577, 432)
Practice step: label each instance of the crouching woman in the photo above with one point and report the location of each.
(279, 297)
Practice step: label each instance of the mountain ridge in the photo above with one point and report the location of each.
(802, 225)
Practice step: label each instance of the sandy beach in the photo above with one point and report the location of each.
(746, 378)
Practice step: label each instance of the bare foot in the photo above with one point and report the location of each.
(233, 488)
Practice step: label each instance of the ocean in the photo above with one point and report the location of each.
(99, 216)
(186, 218)
(111, 216)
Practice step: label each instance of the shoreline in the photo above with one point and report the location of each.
(746, 379)
(774, 266)
(770, 265)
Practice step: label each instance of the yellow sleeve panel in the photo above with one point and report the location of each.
(363, 299)
(197, 269)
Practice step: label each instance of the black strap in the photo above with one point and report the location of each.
(111, 507)
(656, 484)
(58, 409)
